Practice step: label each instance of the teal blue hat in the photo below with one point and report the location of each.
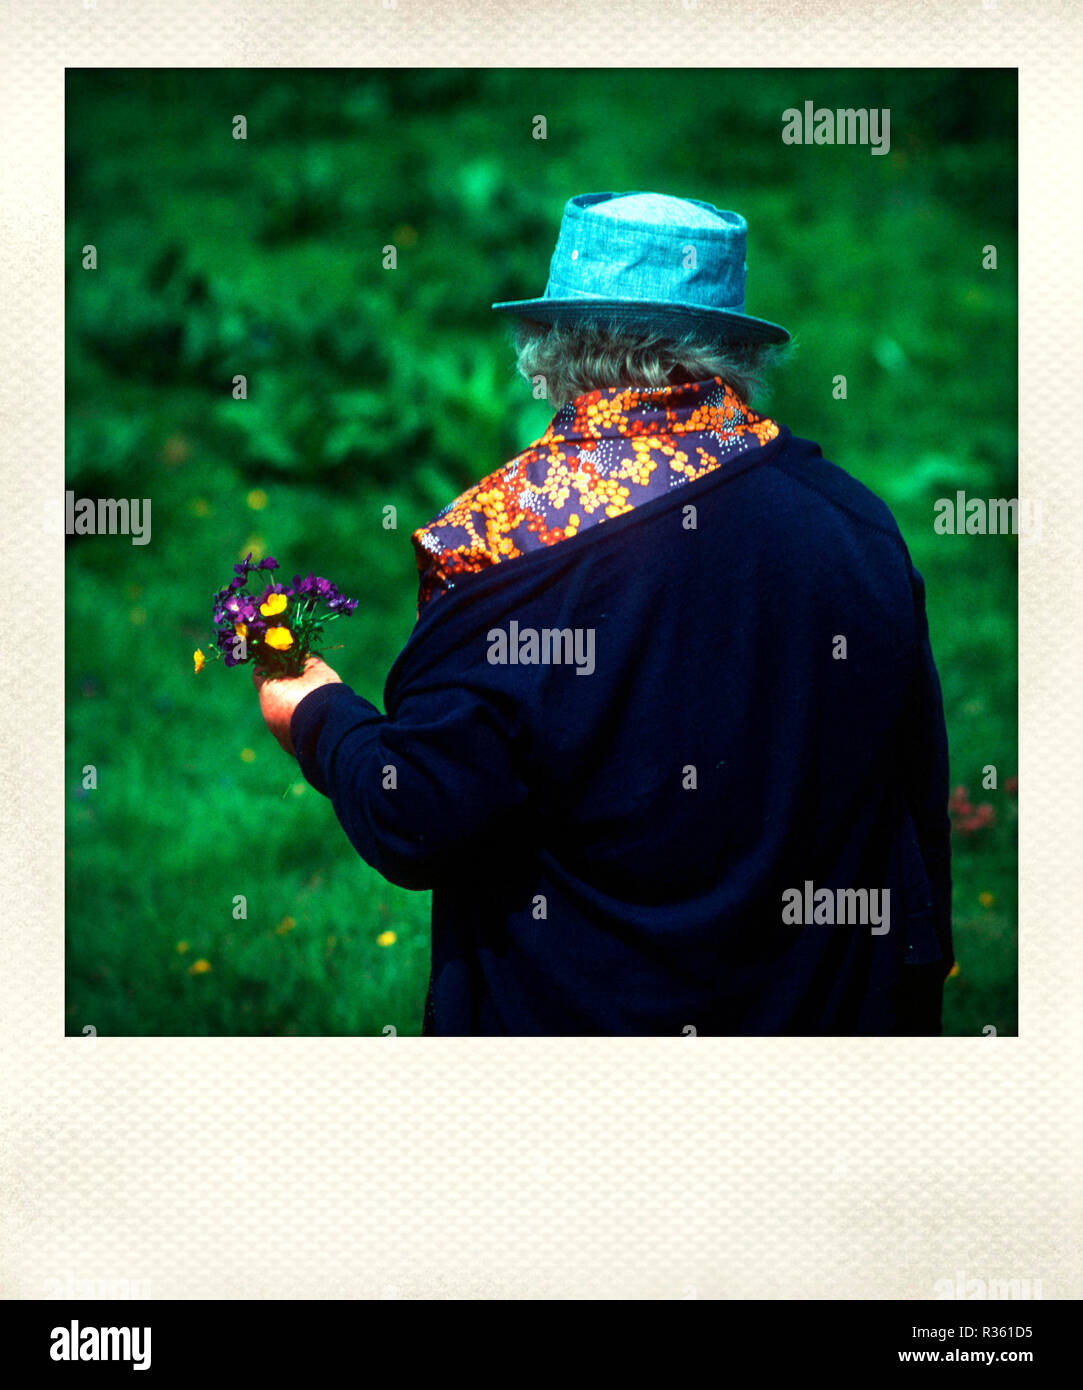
(647, 260)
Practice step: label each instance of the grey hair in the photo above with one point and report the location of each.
(577, 358)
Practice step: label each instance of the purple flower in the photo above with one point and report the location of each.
(269, 563)
(233, 606)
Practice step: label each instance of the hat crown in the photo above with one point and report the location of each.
(659, 209)
(649, 248)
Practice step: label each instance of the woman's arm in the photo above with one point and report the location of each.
(414, 794)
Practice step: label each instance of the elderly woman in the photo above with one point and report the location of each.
(667, 741)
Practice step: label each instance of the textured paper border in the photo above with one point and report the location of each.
(652, 1168)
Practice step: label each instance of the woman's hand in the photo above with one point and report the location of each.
(279, 696)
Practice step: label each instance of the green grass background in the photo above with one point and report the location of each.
(370, 387)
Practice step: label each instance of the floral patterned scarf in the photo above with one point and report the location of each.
(602, 454)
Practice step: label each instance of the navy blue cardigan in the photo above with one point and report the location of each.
(609, 853)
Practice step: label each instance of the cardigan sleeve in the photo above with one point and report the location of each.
(416, 793)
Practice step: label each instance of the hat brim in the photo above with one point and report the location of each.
(719, 325)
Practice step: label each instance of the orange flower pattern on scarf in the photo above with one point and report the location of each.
(603, 454)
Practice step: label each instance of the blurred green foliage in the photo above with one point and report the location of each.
(369, 386)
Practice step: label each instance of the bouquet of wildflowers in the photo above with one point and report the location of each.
(270, 623)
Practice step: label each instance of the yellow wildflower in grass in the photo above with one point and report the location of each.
(182, 947)
(248, 755)
(954, 970)
(241, 629)
(279, 638)
(287, 924)
(986, 899)
(198, 658)
(257, 499)
(276, 603)
(199, 967)
(386, 938)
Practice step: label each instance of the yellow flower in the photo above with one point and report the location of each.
(386, 938)
(182, 947)
(256, 544)
(286, 924)
(279, 638)
(277, 603)
(954, 970)
(257, 499)
(986, 899)
(198, 658)
(241, 629)
(199, 967)
(248, 755)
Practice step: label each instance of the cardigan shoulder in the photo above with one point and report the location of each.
(804, 464)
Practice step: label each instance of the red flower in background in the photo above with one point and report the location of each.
(966, 818)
